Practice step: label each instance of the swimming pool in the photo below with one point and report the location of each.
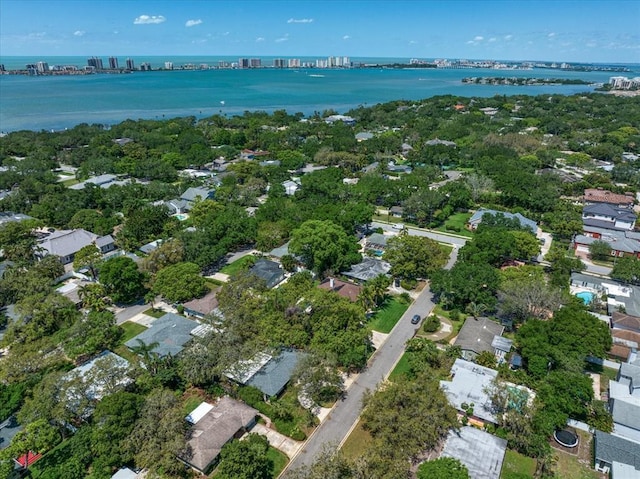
(181, 216)
(586, 296)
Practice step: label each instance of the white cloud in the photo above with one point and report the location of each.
(281, 39)
(193, 23)
(551, 35)
(492, 39)
(412, 42)
(300, 20)
(346, 37)
(478, 39)
(149, 19)
(508, 37)
(471, 42)
(260, 39)
(225, 34)
(79, 33)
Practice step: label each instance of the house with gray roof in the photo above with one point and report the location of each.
(525, 222)
(171, 331)
(469, 385)
(620, 242)
(610, 449)
(368, 269)
(103, 181)
(626, 419)
(438, 141)
(126, 473)
(9, 217)
(618, 295)
(481, 334)
(270, 271)
(213, 426)
(269, 374)
(607, 216)
(193, 193)
(482, 453)
(66, 243)
(376, 241)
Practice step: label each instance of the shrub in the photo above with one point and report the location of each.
(454, 315)
(405, 298)
(431, 324)
(408, 283)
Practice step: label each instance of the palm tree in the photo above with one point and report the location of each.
(93, 296)
(150, 359)
(476, 309)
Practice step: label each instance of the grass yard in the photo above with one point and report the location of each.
(70, 182)
(388, 315)
(238, 265)
(570, 467)
(131, 330)
(515, 463)
(279, 459)
(402, 368)
(213, 283)
(577, 466)
(455, 224)
(358, 441)
(154, 313)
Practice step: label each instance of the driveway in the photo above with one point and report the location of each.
(277, 440)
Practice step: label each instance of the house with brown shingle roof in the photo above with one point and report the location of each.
(346, 290)
(598, 195)
(214, 425)
(625, 321)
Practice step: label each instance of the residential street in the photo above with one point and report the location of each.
(345, 413)
(414, 231)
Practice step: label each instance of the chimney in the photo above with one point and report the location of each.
(331, 283)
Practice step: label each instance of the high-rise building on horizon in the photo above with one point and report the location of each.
(113, 63)
(42, 67)
(168, 65)
(294, 63)
(96, 63)
(130, 64)
(255, 63)
(279, 63)
(243, 63)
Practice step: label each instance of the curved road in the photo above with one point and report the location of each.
(344, 415)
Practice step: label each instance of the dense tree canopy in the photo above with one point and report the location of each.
(324, 246)
(414, 257)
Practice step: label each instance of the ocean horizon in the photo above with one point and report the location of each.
(59, 102)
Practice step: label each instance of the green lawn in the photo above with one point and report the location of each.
(388, 315)
(154, 313)
(131, 330)
(401, 368)
(570, 467)
(279, 459)
(190, 404)
(238, 265)
(69, 182)
(455, 224)
(358, 441)
(516, 463)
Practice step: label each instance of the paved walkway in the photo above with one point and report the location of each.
(277, 440)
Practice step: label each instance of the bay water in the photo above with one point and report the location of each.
(58, 102)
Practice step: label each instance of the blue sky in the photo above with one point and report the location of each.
(585, 30)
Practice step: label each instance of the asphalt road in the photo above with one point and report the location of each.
(442, 238)
(345, 413)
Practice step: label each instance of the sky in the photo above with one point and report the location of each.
(575, 31)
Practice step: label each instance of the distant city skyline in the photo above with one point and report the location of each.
(571, 31)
